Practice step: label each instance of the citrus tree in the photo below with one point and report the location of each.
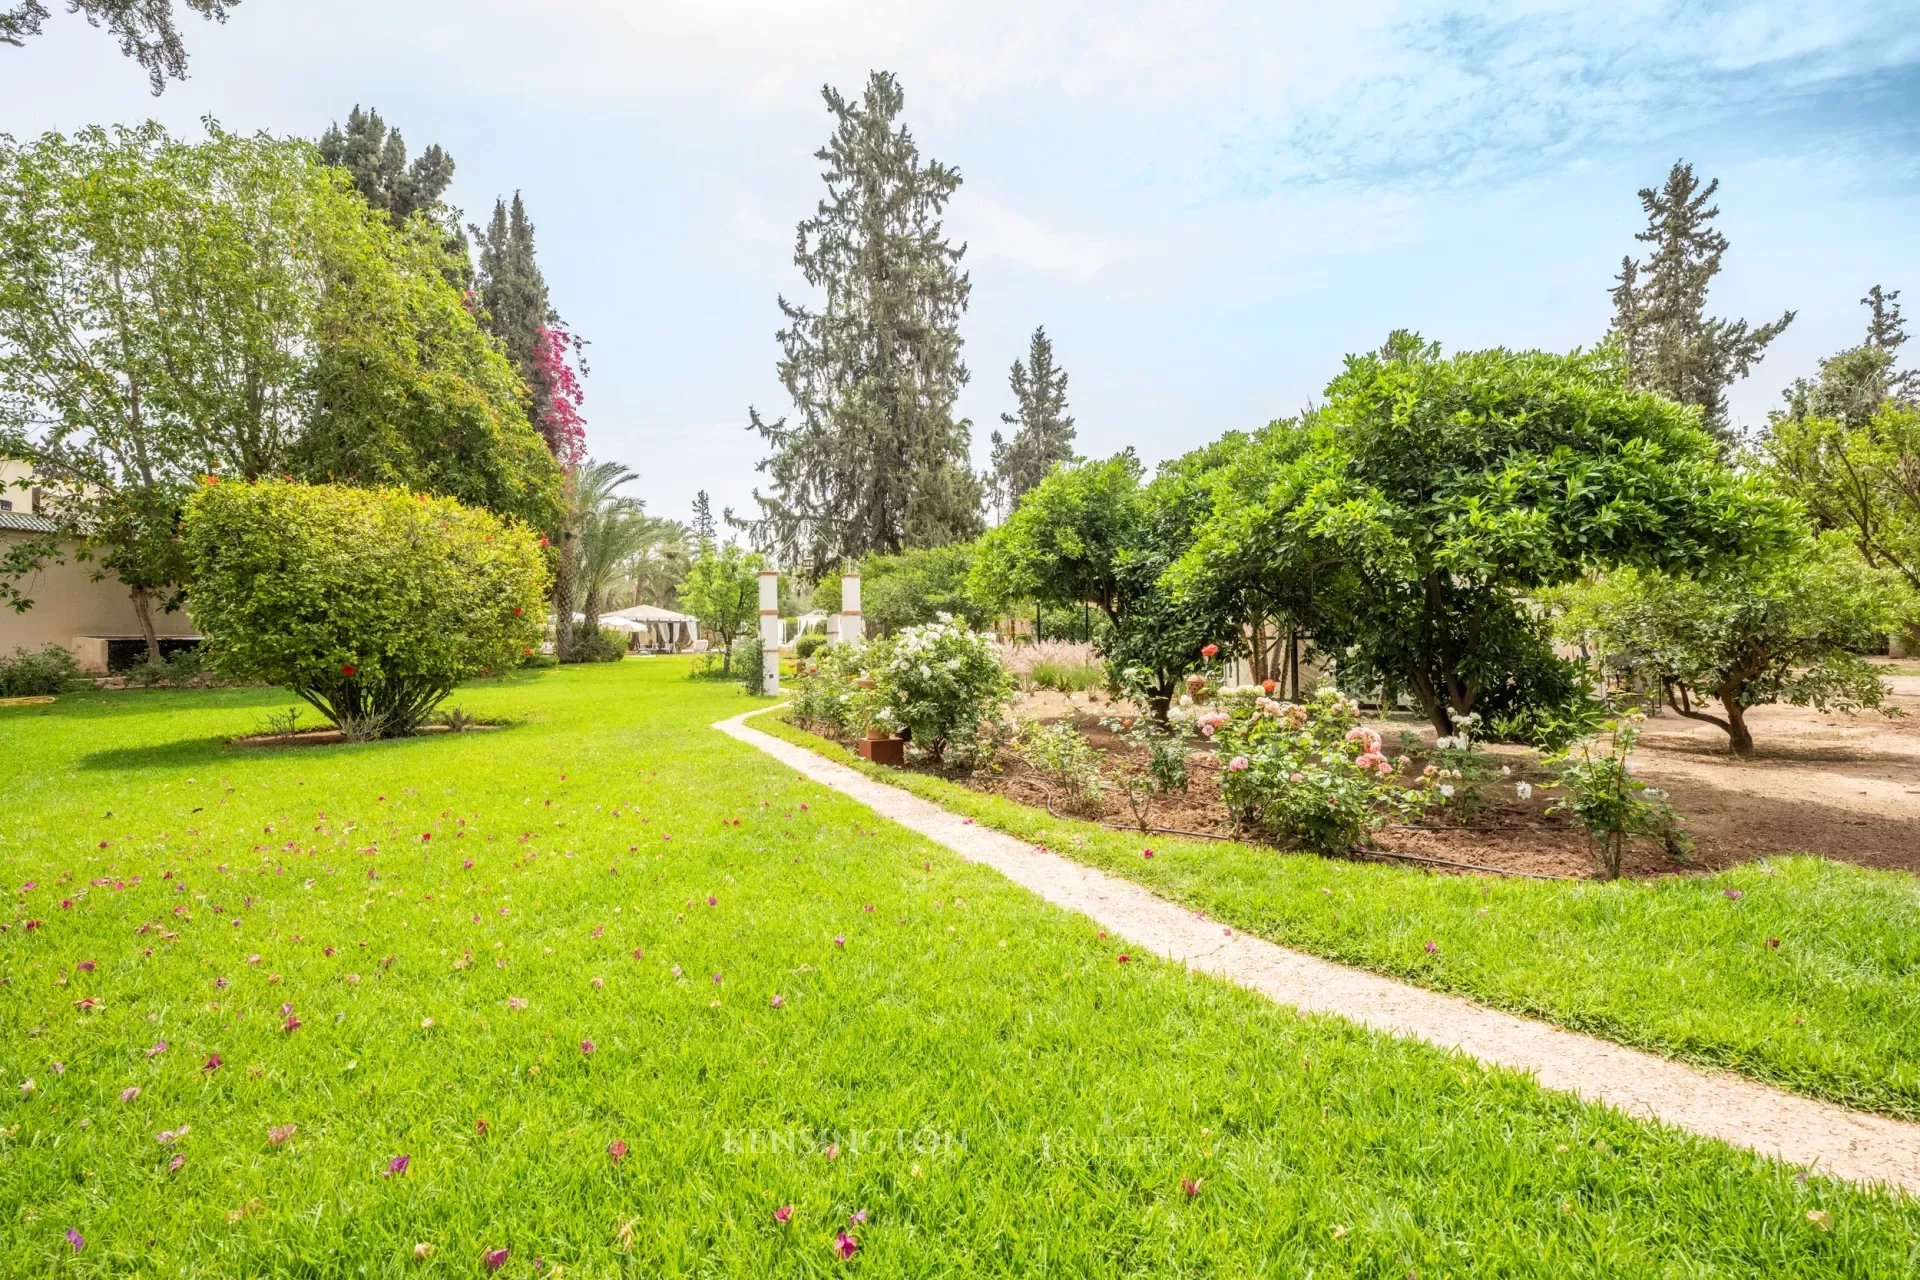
(1408, 518)
(722, 589)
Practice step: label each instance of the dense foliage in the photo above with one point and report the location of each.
(905, 590)
(370, 604)
(1403, 522)
(722, 590)
(1860, 478)
(1308, 772)
(35, 673)
(1783, 628)
(274, 325)
(1094, 533)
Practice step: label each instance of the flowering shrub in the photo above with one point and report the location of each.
(938, 684)
(1459, 770)
(371, 604)
(1309, 772)
(1610, 804)
(1061, 754)
(1160, 746)
(825, 698)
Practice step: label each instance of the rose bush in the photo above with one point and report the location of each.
(371, 604)
(1308, 772)
(824, 697)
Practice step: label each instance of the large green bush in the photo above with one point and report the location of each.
(371, 604)
(29, 674)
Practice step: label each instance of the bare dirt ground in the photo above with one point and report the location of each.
(1844, 787)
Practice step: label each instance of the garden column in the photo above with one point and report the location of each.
(770, 628)
(853, 627)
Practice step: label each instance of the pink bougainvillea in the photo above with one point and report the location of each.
(558, 395)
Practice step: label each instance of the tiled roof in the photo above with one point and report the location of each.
(25, 522)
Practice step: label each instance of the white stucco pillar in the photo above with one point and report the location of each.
(853, 627)
(770, 628)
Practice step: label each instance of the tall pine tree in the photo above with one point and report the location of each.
(1887, 331)
(1043, 430)
(704, 529)
(1660, 304)
(873, 458)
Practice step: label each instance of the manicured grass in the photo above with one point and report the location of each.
(975, 1070)
(1802, 972)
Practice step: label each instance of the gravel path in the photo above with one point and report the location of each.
(1802, 1131)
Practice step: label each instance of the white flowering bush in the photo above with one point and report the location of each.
(1459, 770)
(939, 684)
(1309, 772)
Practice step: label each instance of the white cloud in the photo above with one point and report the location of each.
(992, 230)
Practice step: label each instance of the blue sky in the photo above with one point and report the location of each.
(1207, 204)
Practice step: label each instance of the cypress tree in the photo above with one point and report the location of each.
(1660, 319)
(873, 459)
(1043, 430)
(512, 292)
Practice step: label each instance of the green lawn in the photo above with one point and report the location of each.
(975, 1071)
(1804, 973)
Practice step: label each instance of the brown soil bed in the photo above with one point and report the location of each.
(333, 737)
(1843, 787)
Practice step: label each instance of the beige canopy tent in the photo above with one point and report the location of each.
(665, 630)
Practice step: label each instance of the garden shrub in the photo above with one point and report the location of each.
(598, 646)
(1062, 755)
(938, 684)
(1309, 772)
(37, 673)
(747, 656)
(808, 645)
(370, 604)
(1611, 805)
(183, 668)
(824, 697)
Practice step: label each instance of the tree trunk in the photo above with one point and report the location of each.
(1293, 663)
(143, 610)
(1439, 715)
(1737, 727)
(563, 602)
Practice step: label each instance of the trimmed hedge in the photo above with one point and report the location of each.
(371, 604)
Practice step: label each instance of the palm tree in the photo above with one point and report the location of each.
(609, 529)
(656, 570)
